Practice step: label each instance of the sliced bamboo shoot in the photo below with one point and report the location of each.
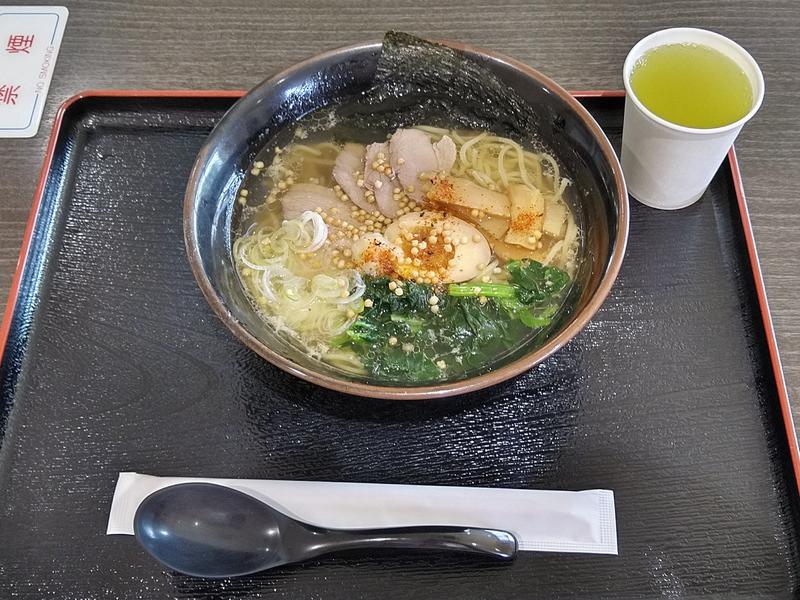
(555, 215)
(506, 251)
(463, 192)
(494, 225)
(527, 208)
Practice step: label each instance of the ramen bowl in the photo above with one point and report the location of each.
(337, 77)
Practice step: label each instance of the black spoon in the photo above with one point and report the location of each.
(208, 530)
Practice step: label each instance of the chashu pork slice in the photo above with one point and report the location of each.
(378, 182)
(412, 154)
(347, 170)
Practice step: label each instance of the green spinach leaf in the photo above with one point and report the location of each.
(535, 282)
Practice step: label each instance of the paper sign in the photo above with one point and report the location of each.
(29, 40)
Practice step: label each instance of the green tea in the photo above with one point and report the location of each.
(692, 85)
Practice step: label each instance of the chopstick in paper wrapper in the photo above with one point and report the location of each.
(542, 520)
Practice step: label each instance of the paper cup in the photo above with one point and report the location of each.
(669, 166)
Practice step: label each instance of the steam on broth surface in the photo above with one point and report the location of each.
(426, 255)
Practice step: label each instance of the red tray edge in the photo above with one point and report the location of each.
(766, 318)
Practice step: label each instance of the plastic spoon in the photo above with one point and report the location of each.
(208, 530)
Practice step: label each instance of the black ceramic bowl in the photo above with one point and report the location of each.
(275, 105)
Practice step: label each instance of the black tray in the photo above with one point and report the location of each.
(672, 397)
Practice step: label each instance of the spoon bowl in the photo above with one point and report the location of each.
(209, 530)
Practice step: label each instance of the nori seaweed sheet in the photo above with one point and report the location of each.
(418, 81)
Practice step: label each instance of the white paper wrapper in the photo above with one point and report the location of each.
(543, 520)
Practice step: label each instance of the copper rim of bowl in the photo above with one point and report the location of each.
(443, 390)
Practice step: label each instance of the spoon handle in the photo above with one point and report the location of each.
(491, 542)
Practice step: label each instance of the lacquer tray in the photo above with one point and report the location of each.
(672, 397)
